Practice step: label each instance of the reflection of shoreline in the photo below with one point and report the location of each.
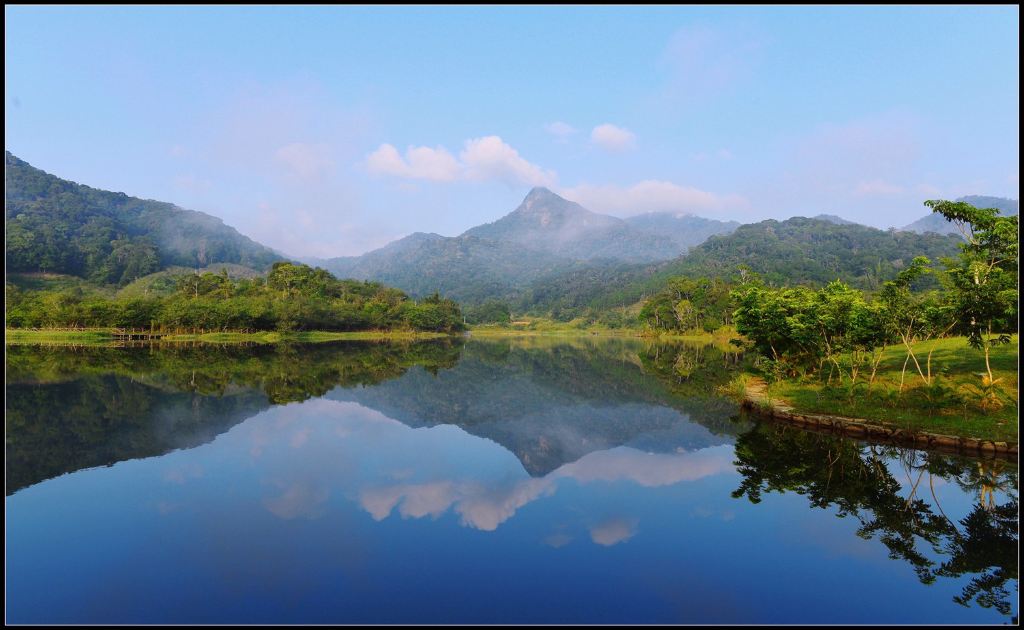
(871, 433)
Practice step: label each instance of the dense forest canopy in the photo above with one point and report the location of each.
(798, 251)
(53, 225)
(290, 297)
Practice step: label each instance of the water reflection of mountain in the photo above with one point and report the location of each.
(99, 420)
(553, 405)
(69, 409)
(548, 403)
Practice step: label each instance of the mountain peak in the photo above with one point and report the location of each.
(539, 196)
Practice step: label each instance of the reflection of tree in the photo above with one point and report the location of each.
(987, 547)
(837, 472)
(74, 409)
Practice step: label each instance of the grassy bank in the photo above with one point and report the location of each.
(956, 402)
(106, 337)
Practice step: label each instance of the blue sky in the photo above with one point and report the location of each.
(332, 130)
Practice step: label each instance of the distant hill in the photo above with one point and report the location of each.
(464, 268)
(545, 236)
(547, 222)
(791, 252)
(831, 218)
(363, 267)
(54, 225)
(685, 230)
(937, 223)
(812, 251)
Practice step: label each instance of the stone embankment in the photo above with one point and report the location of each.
(757, 401)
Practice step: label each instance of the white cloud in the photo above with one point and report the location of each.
(435, 164)
(612, 138)
(560, 130)
(482, 159)
(306, 162)
(490, 158)
(652, 196)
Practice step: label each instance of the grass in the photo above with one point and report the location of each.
(48, 337)
(953, 404)
(105, 336)
(541, 327)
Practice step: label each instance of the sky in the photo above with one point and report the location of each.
(331, 130)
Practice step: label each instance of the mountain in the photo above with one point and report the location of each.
(544, 237)
(937, 223)
(831, 218)
(55, 225)
(812, 251)
(465, 268)
(549, 223)
(685, 230)
(363, 266)
(795, 251)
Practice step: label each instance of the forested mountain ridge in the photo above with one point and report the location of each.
(550, 223)
(544, 237)
(938, 224)
(797, 251)
(55, 225)
(465, 268)
(685, 231)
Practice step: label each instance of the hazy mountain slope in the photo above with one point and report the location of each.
(465, 268)
(937, 223)
(544, 221)
(684, 230)
(59, 226)
(544, 237)
(795, 251)
(831, 218)
(365, 266)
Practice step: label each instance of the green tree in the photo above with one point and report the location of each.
(983, 281)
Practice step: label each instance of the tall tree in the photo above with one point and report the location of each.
(983, 281)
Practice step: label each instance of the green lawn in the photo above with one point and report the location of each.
(953, 404)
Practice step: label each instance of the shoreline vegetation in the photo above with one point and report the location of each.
(912, 412)
(934, 349)
(949, 408)
(106, 336)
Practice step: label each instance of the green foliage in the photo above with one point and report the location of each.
(53, 225)
(983, 287)
(490, 312)
(291, 297)
(797, 251)
(689, 305)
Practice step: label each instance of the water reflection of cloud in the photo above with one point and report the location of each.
(558, 540)
(485, 507)
(298, 500)
(183, 472)
(647, 469)
(613, 531)
(389, 467)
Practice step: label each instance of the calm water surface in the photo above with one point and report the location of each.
(513, 481)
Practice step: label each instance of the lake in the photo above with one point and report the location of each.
(470, 481)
